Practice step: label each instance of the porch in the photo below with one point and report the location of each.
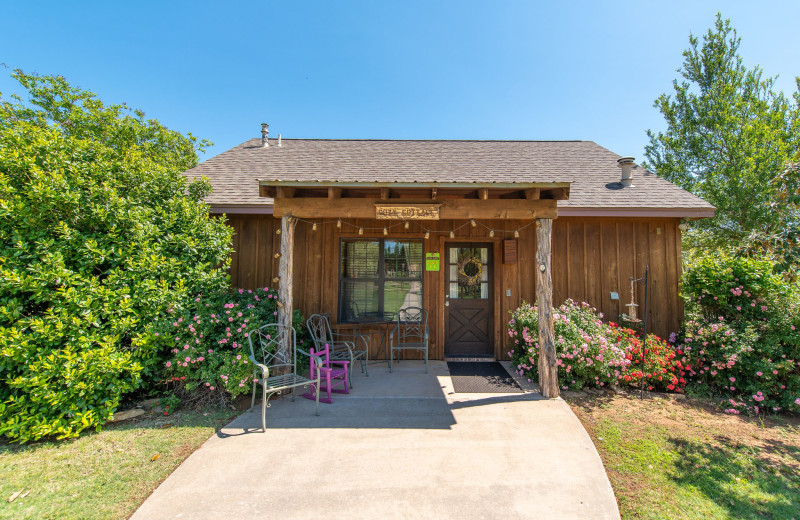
(404, 439)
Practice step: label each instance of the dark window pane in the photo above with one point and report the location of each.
(359, 258)
(358, 299)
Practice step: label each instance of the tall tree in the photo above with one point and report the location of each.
(729, 136)
(100, 234)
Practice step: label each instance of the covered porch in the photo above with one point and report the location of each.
(466, 252)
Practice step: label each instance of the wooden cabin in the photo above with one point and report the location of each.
(369, 226)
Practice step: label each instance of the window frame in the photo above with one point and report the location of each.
(381, 279)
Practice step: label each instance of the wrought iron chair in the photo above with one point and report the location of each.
(340, 349)
(410, 333)
(333, 376)
(278, 366)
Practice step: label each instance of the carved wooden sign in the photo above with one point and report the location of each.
(407, 211)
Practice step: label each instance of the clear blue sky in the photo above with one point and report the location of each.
(395, 70)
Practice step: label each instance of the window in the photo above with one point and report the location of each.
(378, 277)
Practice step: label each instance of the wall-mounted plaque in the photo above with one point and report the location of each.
(407, 211)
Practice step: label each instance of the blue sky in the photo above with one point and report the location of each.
(389, 70)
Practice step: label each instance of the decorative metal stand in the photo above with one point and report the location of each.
(633, 317)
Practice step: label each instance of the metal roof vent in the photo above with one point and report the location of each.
(264, 133)
(626, 163)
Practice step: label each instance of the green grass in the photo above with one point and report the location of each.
(105, 475)
(673, 462)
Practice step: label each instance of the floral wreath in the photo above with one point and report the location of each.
(474, 279)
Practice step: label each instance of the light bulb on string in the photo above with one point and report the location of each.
(339, 223)
(406, 224)
(472, 222)
(314, 226)
(361, 231)
(427, 235)
(452, 234)
(385, 231)
(516, 233)
(491, 233)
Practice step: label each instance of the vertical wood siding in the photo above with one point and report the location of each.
(591, 258)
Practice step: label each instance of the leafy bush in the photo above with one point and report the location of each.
(741, 337)
(99, 235)
(590, 352)
(208, 339)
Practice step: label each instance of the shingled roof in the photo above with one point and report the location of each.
(591, 169)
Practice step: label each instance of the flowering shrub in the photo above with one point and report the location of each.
(590, 352)
(741, 336)
(208, 342)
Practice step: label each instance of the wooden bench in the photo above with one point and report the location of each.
(269, 355)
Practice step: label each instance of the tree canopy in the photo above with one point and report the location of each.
(730, 138)
(100, 234)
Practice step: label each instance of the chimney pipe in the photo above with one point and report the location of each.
(279, 139)
(264, 133)
(626, 163)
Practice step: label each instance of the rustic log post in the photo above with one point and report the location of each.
(548, 372)
(285, 303)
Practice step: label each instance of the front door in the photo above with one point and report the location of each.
(468, 300)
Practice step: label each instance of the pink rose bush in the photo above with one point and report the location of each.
(590, 352)
(740, 340)
(207, 340)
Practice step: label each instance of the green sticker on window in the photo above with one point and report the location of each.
(431, 261)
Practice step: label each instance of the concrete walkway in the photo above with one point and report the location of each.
(401, 445)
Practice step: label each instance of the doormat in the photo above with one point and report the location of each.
(481, 378)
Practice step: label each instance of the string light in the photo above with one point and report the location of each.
(516, 233)
(314, 226)
(361, 231)
(406, 224)
(385, 231)
(339, 223)
(472, 222)
(427, 235)
(491, 233)
(452, 234)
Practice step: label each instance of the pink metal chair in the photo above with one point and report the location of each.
(333, 375)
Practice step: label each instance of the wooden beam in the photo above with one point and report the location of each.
(385, 193)
(285, 303)
(334, 193)
(548, 371)
(483, 193)
(434, 191)
(557, 194)
(285, 192)
(532, 193)
(451, 208)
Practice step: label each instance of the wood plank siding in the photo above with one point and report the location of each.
(590, 258)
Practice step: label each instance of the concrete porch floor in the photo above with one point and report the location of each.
(400, 445)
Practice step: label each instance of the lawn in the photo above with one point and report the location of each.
(105, 475)
(678, 459)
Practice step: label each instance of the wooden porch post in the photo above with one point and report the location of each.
(548, 372)
(285, 303)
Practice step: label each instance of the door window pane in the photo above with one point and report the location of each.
(469, 272)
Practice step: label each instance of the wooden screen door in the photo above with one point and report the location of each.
(468, 300)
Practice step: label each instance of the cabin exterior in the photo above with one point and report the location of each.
(466, 229)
